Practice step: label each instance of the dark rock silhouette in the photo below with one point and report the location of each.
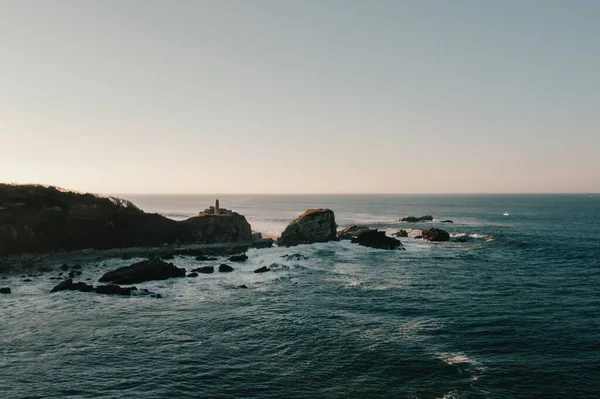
(314, 225)
(434, 234)
(447, 221)
(239, 258)
(225, 268)
(194, 274)
(5, 290)
(64, 267)
(349, 233)
(112, 289)
(147, 270)
(71, 286)
(401, 233)
(203, 258)
(243, 286)
(376, 239)
(414, 219)
(204, 270)
(419, 237)
(262, 270)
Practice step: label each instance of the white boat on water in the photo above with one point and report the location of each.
(507, 213)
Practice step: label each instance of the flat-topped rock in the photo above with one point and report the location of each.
(414, 219)
(314, 225)
(435, 235)
(377, 239)
(146, 270)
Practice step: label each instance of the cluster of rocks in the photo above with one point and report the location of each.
(377, 239)
(109, 289)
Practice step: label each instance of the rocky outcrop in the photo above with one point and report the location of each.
(203, 258)
(294, 257)
(434, 234)
(238, 258)
(376, 239)
(147, 270)
(314, 225)
(262, 269)
(36, 218)
(193, 274)
(225, 268)
(414, 219)
(447, 221)
(401, 233)
(204, 270)
(110, 289)
(349, 233)
(5, 290)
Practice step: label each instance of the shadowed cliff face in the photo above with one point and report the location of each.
(38, 219)
(314, 225)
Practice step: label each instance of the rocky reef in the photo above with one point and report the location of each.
(146, 270)
(351, 232)
(377, 239)
(414, 219)
(35, 218)
(314, 225)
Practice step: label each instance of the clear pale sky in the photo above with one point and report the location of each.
(301, 96)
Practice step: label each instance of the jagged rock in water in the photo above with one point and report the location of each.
(5, 290)
(193, 274)
(64, 267)
(314, 225)
(401, 233)
(204, 270)
(414, 219)
(351, 232)
(419, 237)
(434, 234)
(71, 286)
(262, 270)
(239, 258)
(243, 286)
(76, 267)
(225, 268)
(447, 221)
(203, 258)
(147, 270)
(294, 257)
(112, 289)
(376, 239)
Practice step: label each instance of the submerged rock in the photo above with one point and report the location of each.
(295, 257)
(204, 270)
(243, 286)
(401, 233)
(194, 274)
(225, 268)
(314, 225)
(262, 270)
(147, 270)
(414, 219)
(447, 221)
(5, 290)
(64, 267)
(112, 289)
(376, 239)
(239, 258)
(419, 237)
(434, 234)
(203, 258)
(349, 233)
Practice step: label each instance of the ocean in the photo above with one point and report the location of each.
(513, 312)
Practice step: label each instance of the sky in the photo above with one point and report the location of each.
(298, 96)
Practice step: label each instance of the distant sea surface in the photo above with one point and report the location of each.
(513, 312)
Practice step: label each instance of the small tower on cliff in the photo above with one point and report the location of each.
(217, 209)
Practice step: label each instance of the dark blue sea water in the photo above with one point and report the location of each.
(514, 312)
